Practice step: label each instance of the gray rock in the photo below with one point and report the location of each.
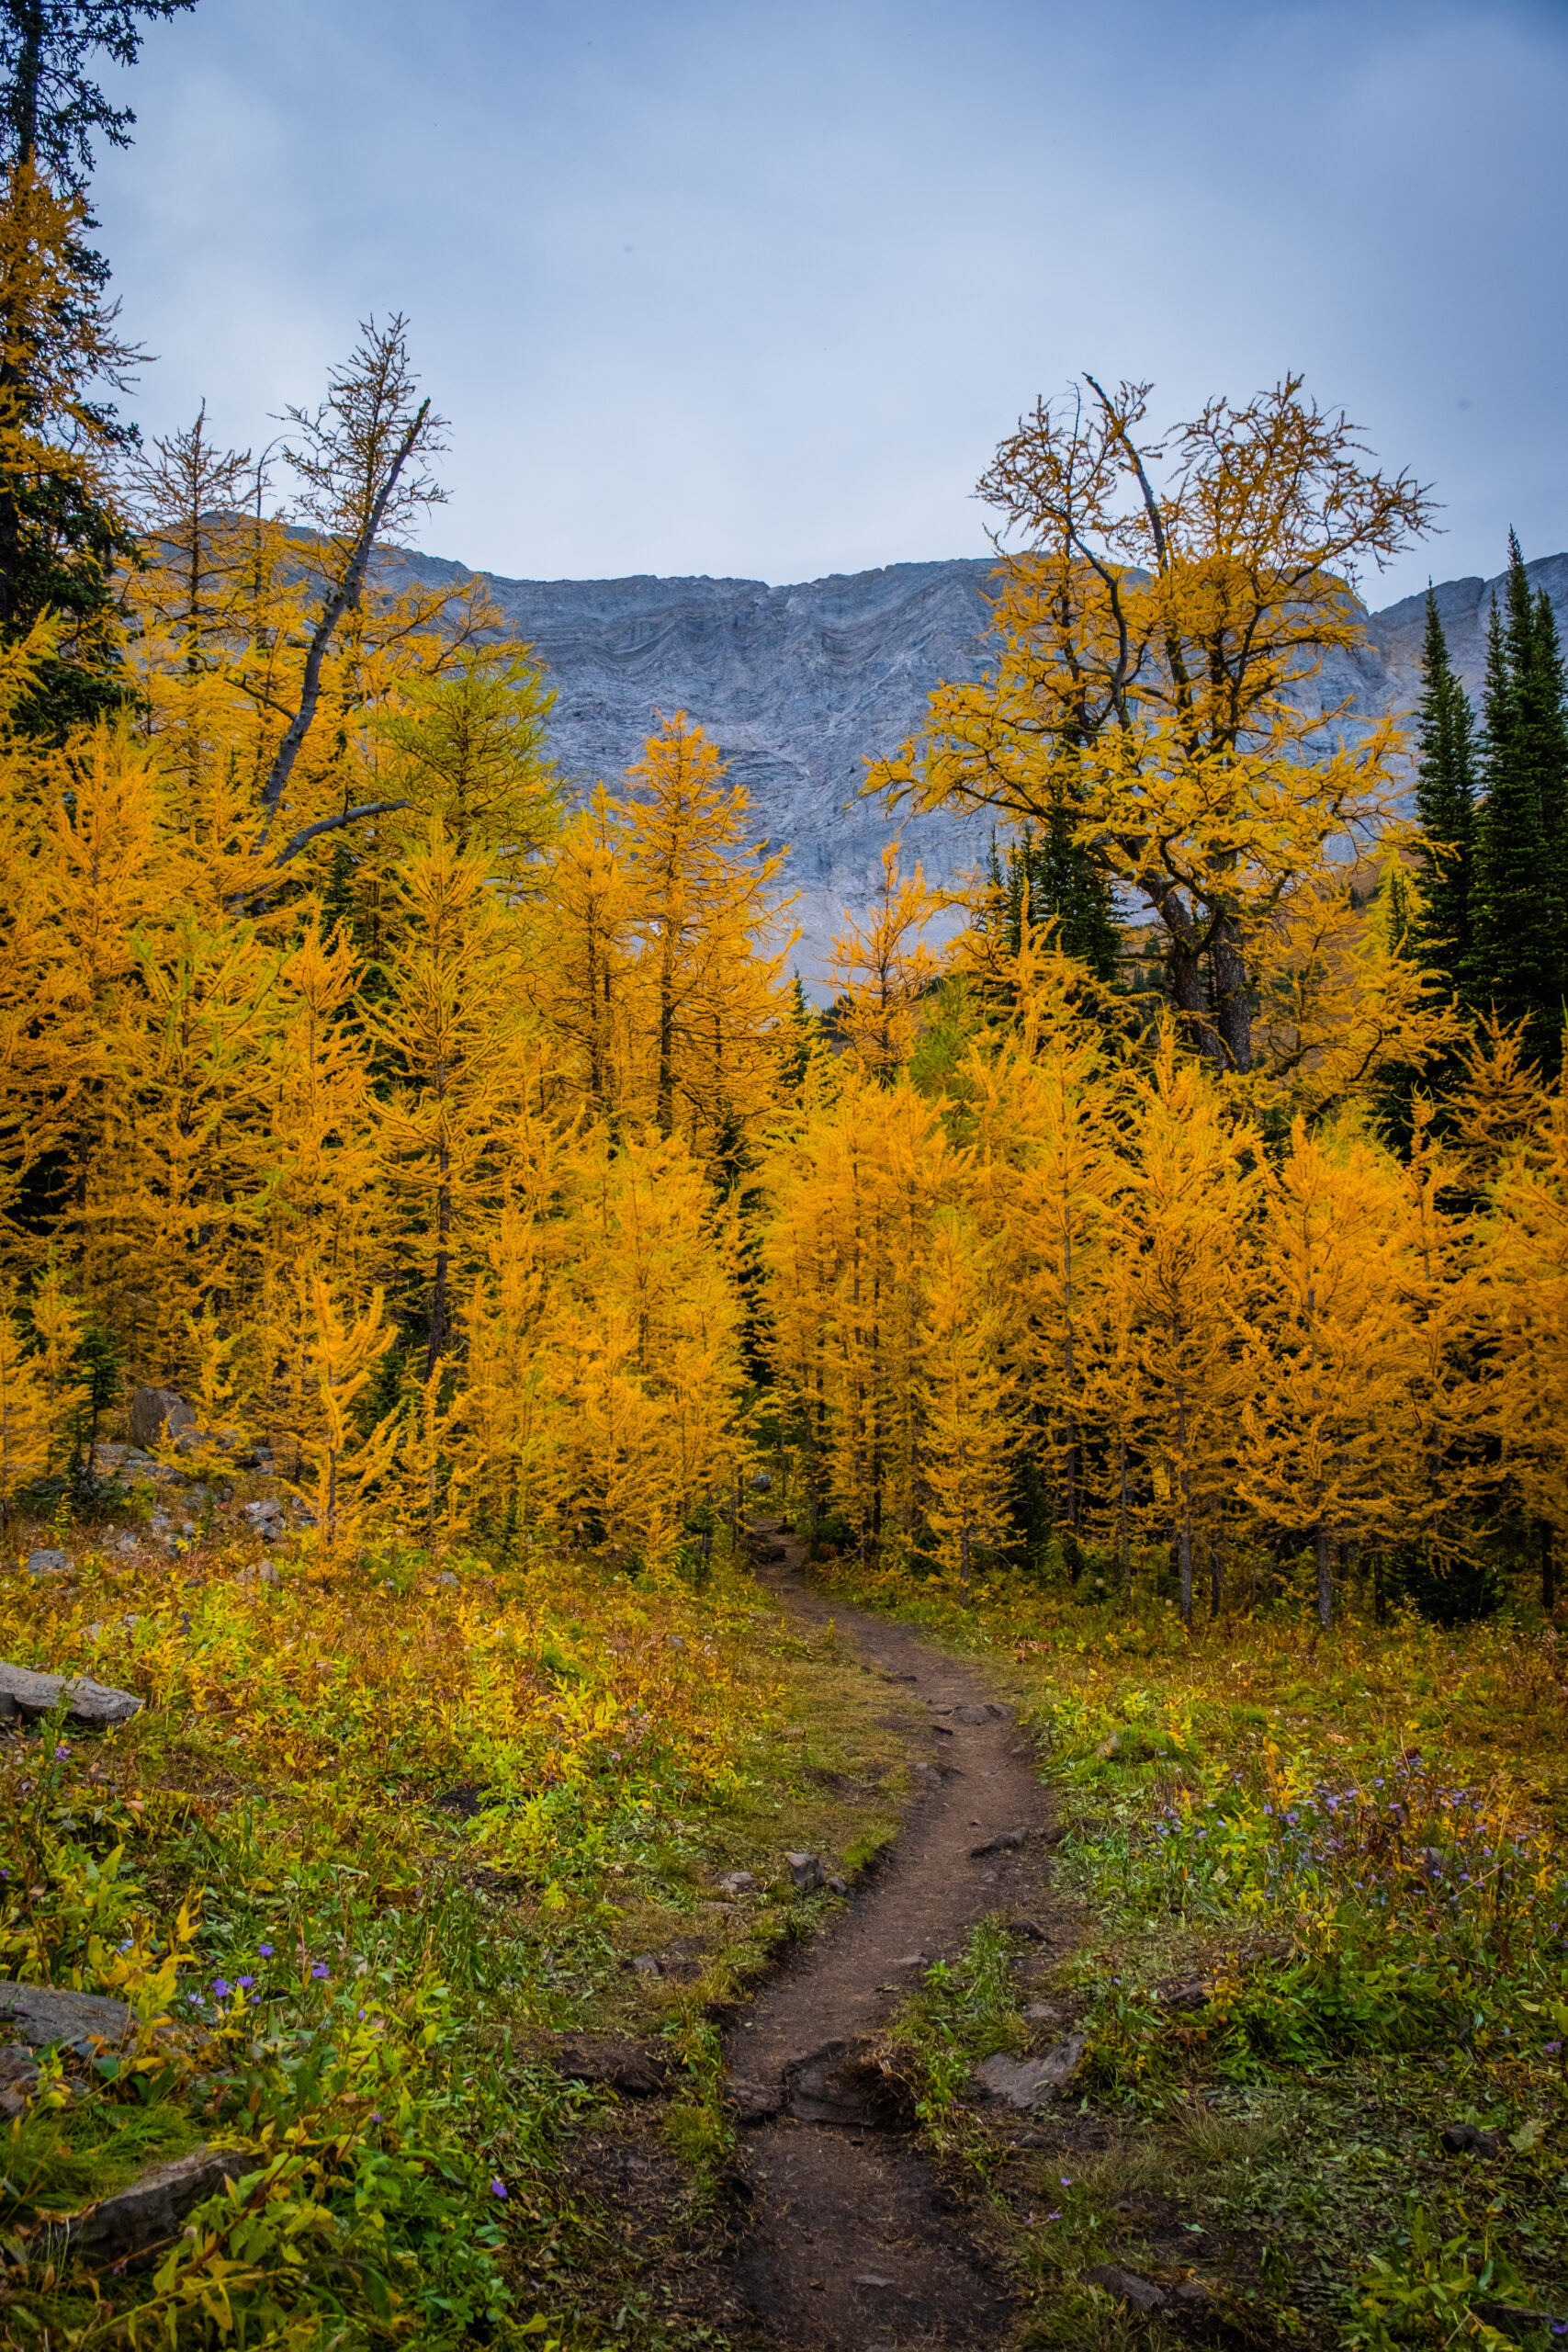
(49, 1564)
(609, 2061)
(44, 2015)
(838, 1886)
(1469, 2139)
(737, 1882)
(1126, 2285)
(1030, 2082)
(19, 2081)
(265, 1516)
(1042, 2013)
(150, 2212)
(93, 1705)
(971, 1716)
(447, 1579)
(157, 1417)
(752, 2102)
(644, 1965)
(872, 2279)
(806, 1872)
(1007, 1841)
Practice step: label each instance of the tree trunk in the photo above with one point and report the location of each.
(1325, 1577)
(1233, 1005)
(1123, 1548)
(1213, 1578)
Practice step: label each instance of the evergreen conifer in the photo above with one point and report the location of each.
(1516, 917)
(1051, 879)
(1445, 802)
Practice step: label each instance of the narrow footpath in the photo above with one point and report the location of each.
(853, 2242)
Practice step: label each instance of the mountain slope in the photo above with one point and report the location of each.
(799, 685)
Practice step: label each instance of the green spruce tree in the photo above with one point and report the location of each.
(1517, 915)
(1445, 803)
(1050, 879)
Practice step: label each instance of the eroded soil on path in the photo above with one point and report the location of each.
(852, 2239)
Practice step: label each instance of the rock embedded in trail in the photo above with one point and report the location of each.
(1007, 1841)
(752, 2102)
(806, 1872)
(93, 1706)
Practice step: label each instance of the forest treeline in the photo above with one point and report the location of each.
(1203, 1207)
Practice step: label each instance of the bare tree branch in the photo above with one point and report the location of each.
(308, 833)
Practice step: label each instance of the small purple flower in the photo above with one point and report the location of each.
(62, 1750)
(375, 2115)
(1064, 2181)
(244, 1982)
(362, 2013)
(320, 1969)
(498, 2188)
(266, 1950)
(1052, 2217)
(221, 1986)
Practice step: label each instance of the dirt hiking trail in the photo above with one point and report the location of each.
(852, 2241)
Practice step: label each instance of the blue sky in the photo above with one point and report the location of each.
(754, 286)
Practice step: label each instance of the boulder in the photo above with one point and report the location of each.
(151, 2212)
(49, 1564)
(43, 2014)
(738, 1882)
(90, 1706)
(157, 1417)
(806, 1872)
(93, 1705)
(1030, 2082)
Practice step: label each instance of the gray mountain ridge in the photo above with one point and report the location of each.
(798, 685)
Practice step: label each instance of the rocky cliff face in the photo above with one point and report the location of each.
(799, 686)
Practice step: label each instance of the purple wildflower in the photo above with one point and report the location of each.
(244, 1982)
(266, 1950)
(498, 2188)
(320, 1969)
(221, 1986)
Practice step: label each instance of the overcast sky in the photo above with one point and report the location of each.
(754, 286)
